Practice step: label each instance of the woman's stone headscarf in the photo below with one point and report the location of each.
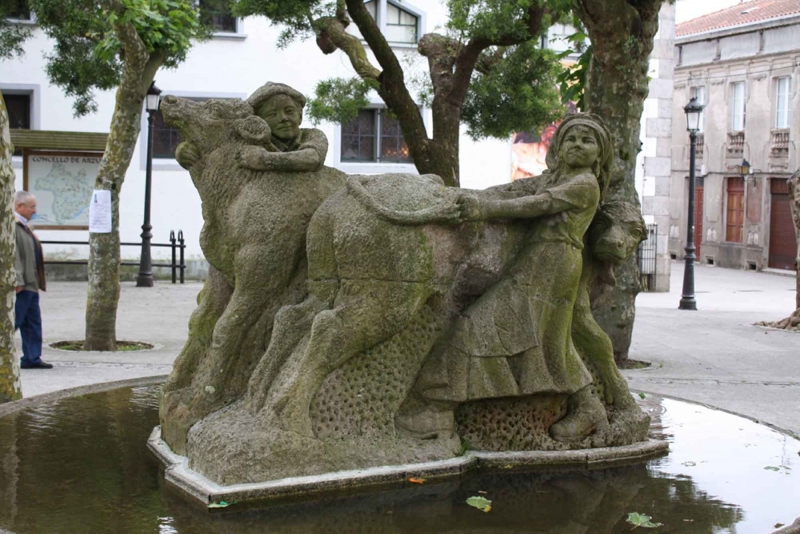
(602, 167)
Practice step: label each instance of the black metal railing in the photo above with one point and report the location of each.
(646, 258)
(176, 244)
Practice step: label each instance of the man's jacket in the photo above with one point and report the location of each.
(30, 272)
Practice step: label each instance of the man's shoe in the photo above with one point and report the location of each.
(41, 364)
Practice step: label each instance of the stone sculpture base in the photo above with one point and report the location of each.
(209, 493)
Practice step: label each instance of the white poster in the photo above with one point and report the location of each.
(100, 212)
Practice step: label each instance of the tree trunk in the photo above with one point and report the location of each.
(10, 387)
(617, 85)
(103, 291)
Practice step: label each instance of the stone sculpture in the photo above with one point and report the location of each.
(259, 189)
(435, 319)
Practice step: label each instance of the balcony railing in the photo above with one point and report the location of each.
(701, 145)
(735, 143)
(780, 143)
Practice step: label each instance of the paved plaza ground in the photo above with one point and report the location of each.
(714, 356)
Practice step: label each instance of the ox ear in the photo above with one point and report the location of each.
(253, 130)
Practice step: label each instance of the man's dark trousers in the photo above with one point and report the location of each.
(29, 321)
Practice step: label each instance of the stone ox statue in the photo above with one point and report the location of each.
(430, 320)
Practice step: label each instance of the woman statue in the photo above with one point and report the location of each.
(516, 339)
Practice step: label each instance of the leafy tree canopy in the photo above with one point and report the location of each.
(518, 93)
(513, 86)
(12, 35)
(86, 53)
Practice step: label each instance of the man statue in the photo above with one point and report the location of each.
(29, 267)
(292, 148)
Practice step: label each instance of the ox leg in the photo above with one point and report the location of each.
(365, 313)
(258, 290)
(595, 348)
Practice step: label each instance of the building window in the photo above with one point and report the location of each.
(166, 138)
(401, 26)
(398, 24)
(218, 15)
(783, 108)
(700, 94)
(734, 222)
(373, 137)
(19, 113)
(737, 106)
(18, 10)
(372, 7)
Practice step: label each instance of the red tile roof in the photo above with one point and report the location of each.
(742, 13)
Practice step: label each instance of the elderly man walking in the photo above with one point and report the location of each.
(29, 266)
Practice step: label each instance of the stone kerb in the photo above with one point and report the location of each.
(203, 491)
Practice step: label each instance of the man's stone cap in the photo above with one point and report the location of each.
(270, 89)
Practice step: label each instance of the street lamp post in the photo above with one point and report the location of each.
(693, 110)
(145, 276)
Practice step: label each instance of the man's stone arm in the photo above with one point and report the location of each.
(260, 159)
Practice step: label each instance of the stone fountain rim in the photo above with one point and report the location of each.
(100, 387)
(208, 493)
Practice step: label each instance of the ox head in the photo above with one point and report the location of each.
(616, 231)
(213, 124)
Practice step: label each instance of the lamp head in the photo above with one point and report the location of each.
(153, 97)
(744, 168)
(693, 110)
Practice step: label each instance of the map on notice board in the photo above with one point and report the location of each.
(62, 183)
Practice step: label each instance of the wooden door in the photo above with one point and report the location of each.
(782, 241)
(698, 218)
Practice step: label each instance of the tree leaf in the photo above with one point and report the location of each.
(481, 503)
(641, 520)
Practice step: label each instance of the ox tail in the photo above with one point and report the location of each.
(439, 213)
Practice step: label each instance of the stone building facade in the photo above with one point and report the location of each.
(742, 63)
(653, 169)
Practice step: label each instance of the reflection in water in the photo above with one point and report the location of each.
(81, 465)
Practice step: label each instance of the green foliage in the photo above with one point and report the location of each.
(481, 503)
(86, 51)
(165, 26)
(640, 520)
(572, 80)
(11, 35)
(518, 93)
(296, 16)
(489, 19)
(338, 100)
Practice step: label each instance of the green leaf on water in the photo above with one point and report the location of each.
(642, 396)
(641, 520)
(481, 503)
(772, 468)
(220, 504)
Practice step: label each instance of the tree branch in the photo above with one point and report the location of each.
(392, 88)
(441, 52)
(133, 51)
(351, 45)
